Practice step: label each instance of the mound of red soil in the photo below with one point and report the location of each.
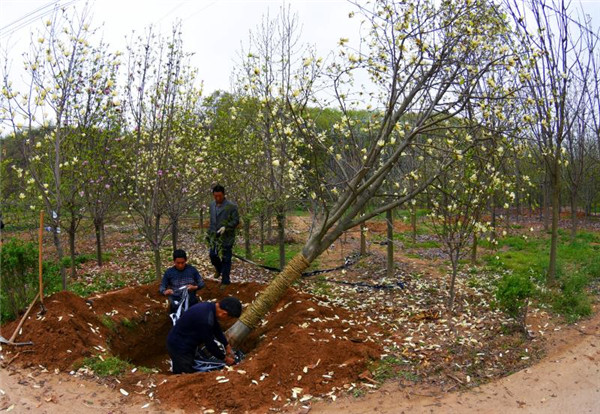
(305, 347)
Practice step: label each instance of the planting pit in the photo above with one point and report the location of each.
(305, 348)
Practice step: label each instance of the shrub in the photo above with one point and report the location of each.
(572, 301)
(512, 296)
(19, 265)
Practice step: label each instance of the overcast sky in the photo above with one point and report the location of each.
(212, 29)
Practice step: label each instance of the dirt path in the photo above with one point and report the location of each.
(566, 381)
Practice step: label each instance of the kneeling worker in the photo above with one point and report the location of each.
(200, 325)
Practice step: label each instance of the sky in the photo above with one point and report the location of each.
(212, 29)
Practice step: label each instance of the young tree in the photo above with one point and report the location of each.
(551, 42)
(157, 71)
(417, 57)
(44, 112)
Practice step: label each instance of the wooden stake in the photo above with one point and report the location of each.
(40, 256)
(15, 333)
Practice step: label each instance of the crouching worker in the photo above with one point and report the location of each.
(200, 324)
(179, 277)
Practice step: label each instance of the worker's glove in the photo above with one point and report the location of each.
(221, 230)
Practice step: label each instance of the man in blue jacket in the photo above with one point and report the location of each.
(224, 218)
(179, 276)
(200, 325)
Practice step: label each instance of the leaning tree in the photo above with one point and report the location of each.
(417, 59)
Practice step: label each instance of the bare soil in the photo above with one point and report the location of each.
(316, 351)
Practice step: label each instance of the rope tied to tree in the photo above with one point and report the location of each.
(274, 291)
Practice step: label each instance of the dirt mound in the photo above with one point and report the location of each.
(305, 347)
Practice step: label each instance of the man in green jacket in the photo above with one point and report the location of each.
(224, 218)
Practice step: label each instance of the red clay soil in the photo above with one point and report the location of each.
(304, 343)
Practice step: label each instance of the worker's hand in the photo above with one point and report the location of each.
(229, 360)
(191, 288)
(168, 292)
(221, 231)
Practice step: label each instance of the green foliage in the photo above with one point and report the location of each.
(108, 322)
(572, 301)
(270, 257)
(513, 293)
(106, 366)
(19, 276)
(127, 323)
(389, 367)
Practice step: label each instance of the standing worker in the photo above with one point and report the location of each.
(224, 218)
(200, 325)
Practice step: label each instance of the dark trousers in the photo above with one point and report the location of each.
(183, 363)
(222, 263)
(192, 300)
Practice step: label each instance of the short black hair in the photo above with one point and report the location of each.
(218, 189)
(232, 305)
(179, 253)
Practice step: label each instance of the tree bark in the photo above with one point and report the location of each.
(157, 262)
(413, 222)
(547, 190)
(555, 216)
(72, 231)
(474, 249)
(60, 254)
(201, 220)
(454, 260)
(573, 214)
(98, 231)
(247, 239)
(281, 238)
(262, 233)
(390, 243)
(174, 232)
(363, 239)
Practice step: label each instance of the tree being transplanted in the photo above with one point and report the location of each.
(417, 57)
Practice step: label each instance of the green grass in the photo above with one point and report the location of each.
(578, 263)
(389, 368)
(108, 322)
(270, 256)
(106, 366)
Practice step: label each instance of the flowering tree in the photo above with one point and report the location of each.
(551, 61)
(418, 57)
(47, 114)
(274, 69)
(152, 177)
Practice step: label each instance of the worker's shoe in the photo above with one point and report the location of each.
(223, 286)
(217, 275)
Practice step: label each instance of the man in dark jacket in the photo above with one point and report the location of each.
(224, 218)
(200, 325)
(179, 276)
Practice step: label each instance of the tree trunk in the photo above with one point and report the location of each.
(98, 231)
(174, 232)
(247, 239)
(547, 204)
(262, 233)
(201, 220)
(157, 262)
(454, 260)
(60, 254)
(390, 243)
(474, 249)
(554, 239)
(269, 227)
(103, 233)
(267, 299)
(573, 215)
(413, 222)
(72, 231)
(281, 238)
(493, 218)
(363, 239)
